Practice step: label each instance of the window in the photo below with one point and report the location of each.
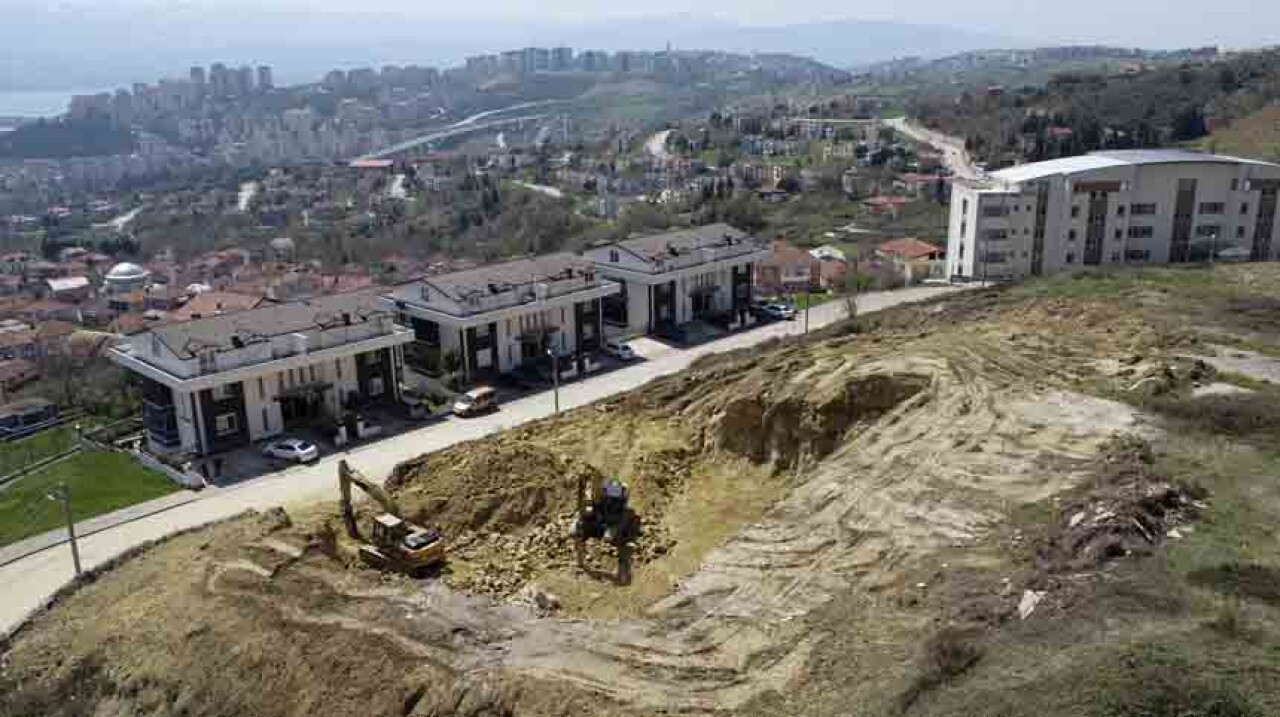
(1208, 231)
(224, 392)
(1075, 211)
(1115, 257)
(1235, 184)
(964, 206)
(613, 256)
(1120, 210)
(337, 368)
(964, 228)
(1119, 233)
(1212, 208)
(995, 211)
(994, 257)
(1142, 210)
(1071, 258)
(1239, 232)
(280, 382)
(266, 420)
(225, 423)
(1137, 255)
(262, 389)
(375, 387)
(995, 234)
(208, 362)
(155, 342)
(313, 374)
(1071, 235)
(1244, 208)
(1141, 232)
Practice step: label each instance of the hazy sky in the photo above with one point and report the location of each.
(1162, 23)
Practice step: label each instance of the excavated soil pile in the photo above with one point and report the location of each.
(1129, 510)
(507, 508)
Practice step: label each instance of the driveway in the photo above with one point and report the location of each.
(30, 581)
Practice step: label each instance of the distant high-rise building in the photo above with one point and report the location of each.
(219, 80)
(561, 59)
(265, 81)
(197, 76)
(244, 80)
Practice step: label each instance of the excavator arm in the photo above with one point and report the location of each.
(347, 476)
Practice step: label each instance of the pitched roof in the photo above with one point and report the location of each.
(909, 248)
(685, 241)
(211, 303)
(217, 332)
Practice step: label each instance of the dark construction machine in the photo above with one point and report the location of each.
(607, 517)
(393, 543)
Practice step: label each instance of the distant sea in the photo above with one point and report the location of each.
(37, 103)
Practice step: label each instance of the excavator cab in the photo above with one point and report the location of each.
(393, 542)
(607, 517)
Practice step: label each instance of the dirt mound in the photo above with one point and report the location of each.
(1128, 510)
(499, 486)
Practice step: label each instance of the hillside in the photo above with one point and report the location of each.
(1255, 135)
(1054, 499)
(1076, 112)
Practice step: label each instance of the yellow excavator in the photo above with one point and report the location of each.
(394, 543)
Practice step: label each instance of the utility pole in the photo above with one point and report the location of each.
(63, 494)
(555, 376)
(808, 303)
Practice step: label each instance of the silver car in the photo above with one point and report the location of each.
(294, 450)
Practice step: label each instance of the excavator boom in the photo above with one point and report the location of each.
(348, 476)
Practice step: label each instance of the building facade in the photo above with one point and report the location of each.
(1112, 208)
(223, 382)
(497, 318)
(672, 279)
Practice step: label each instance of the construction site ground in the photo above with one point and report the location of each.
(1047, 499)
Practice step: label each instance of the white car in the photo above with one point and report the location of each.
(620, 350)
(292, 449)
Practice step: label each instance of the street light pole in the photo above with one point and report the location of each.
(555, 376)
(808, 303)
(63, 494)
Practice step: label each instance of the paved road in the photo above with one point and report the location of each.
(27, 583)
(952, 148)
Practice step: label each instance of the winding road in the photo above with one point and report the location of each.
(954, 155)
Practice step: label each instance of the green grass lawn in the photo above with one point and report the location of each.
(23, 452)
(99, 481)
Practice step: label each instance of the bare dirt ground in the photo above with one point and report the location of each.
(813, 512)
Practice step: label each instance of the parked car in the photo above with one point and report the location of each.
(778, 312)
(476, 401)
(295, 450)
(620, 350)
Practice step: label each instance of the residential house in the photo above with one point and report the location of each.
(677, 277)
(17, 372)
(916, 259)
(71, 289)
(215, 303)
(498, 317)
(221, 382)
(789, 269)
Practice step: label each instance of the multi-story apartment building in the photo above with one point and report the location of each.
(494, 319)
(674, 278)
(221, 382)
(1109, 208)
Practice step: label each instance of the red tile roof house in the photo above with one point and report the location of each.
(787, 269)
(884, 204)
(915, 257)
(908, 250)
